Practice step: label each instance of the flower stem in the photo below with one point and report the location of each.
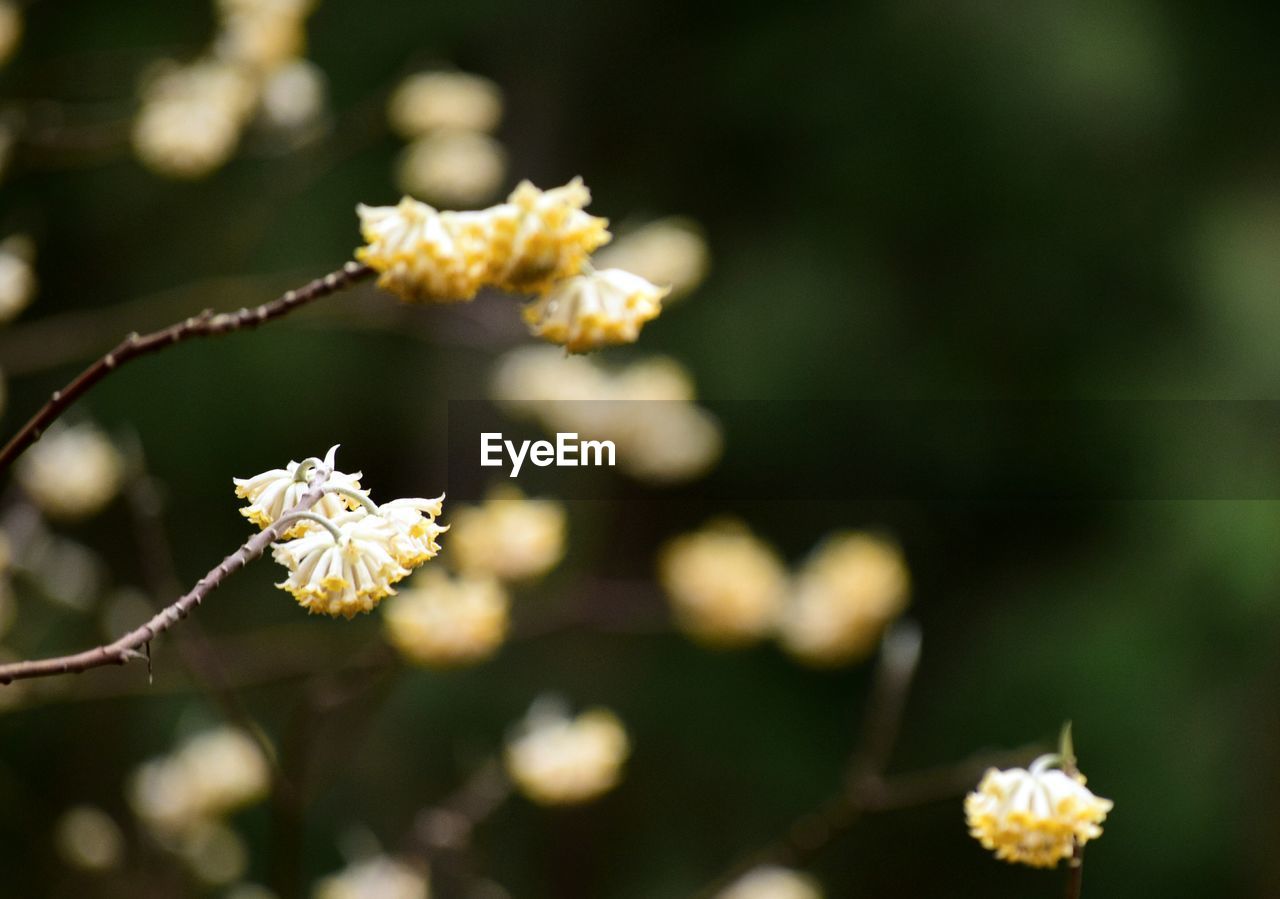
(285, 521)
(206, 324)
(356, 495)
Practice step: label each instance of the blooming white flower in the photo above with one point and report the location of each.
(17, 276)
(88, 838)
(725, 585)
(593, 310)
(772, 882)
(424, 255)
(443, 622)
(670, 251)
(457, 168)
(543, 237)
(432, 101)
(192, 117)
(346, 573)
(209, 775)
(559, 760)
(380, 877)
(843, 598)
(1034, 816)
(508, 536)
(72, 473)
(275, 492)
(415, 529)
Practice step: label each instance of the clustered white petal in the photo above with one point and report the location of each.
(274, 492)
(346, 552)
(1034, 816)
(595, 309)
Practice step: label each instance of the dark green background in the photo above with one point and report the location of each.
(904, 200)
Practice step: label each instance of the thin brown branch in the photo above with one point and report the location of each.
(133, 644)
(206, 324)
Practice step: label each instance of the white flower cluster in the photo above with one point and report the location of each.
(772, 882)
(343, 556)
(508, 536)
(441, 621)
(380, 877)
(193, 114)
(646, 408)
(536, 243)
(449, 118)
(17, 276)
(555, 759)
(729, 588)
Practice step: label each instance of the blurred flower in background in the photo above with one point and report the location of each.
(380, 877)
(72, 472)
(772, 882)
(669, 251)
(725, 585)
(842, 599)
(17, 276)
(88, 838)
(10, 29)
(556, 759)
(507, 536)
(444, 621)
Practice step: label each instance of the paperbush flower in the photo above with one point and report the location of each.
(726, 587)
(843, 598)
(274, 492)
(72, 473)
(423, 255)
(508, 536)
(542, 237)
(415, 529)
(444, 101)
(344, 574)
(381, 877)
(1034, 816)
(558, 760)
(461, 168)
(593, 310)
(17, 277)
(441, 622)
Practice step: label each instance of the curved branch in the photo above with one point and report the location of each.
(206, 324)
(131, 645)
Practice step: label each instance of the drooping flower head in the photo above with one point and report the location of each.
(543, 237)
(1034, 816)
(342, 573)
(423, 255)
(555, 759)
(593, 310)
(440, 621)
(415, 528)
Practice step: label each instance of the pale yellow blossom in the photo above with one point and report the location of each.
(558, 760)
(89, 838)
(432, 101)
(381, 877)
(17, 276)
(275, 492)
(671, 252)
(725, 585)
(508, 536)
(440, 621)
(454, 168)
(843, 598)
(192, 117)
(209, 775)
(1034, 816)
(72, 472)
(772, 882)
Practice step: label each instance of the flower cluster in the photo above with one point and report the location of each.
(646, 408)
(440, 621)
(507, 536)
(448, 117)
(344, 556)
(1034, 816)
(88, 838)
(72, 473)
(193, 114)
(209, 776)
(727, 588)
(555, 759)
(536, 243)
(10, 29)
